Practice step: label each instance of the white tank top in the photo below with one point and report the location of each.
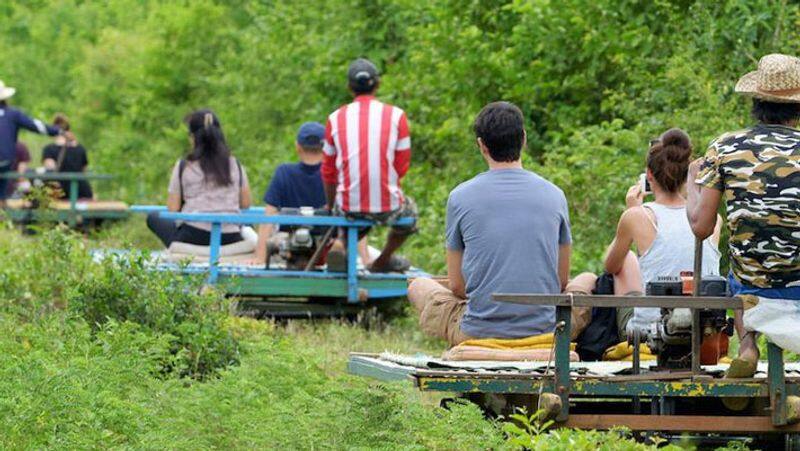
(671, 253)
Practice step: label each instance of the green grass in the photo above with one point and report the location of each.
(73, 378)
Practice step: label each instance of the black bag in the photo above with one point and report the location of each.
(601, 333)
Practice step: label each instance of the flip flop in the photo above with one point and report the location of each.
(396, 264)
(739, 369)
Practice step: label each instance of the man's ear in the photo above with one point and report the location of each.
(483, 148)
(524, 139)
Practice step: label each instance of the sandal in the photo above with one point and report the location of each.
(396, 264)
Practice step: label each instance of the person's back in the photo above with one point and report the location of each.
(759, 171)
(208, 180)
(296, 185)
(509, 223)
(507, 231)
(200, 195)
(670, 254)
(67, 156)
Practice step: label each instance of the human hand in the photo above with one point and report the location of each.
(70, 137)
(635, 196)
(694, 169)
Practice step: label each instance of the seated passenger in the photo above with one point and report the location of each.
(757, 170)
(659, 230)
(17, 188)
(367, 152)
(296, 185)
(65, 154)
(208, 180)
(507, 231)
(11, 121)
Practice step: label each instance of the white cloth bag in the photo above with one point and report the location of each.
(778, 319)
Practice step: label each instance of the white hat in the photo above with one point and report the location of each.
(776, 80)
(5, 91)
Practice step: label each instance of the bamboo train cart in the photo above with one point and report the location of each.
(603, 395)
(72, 211)
(280, 292)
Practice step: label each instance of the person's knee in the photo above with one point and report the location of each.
(419, 291)
(152, 220)
(582, 283)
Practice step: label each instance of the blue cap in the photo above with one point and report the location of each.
(311, 134)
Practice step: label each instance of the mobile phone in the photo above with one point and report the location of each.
(645, 184)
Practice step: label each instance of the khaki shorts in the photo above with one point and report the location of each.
(441, 312)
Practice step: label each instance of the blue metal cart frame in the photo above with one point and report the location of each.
(254, 216)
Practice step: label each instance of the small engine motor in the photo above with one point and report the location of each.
(301, 243)
(671, 337)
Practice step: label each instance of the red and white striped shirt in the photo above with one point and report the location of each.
(367, 151)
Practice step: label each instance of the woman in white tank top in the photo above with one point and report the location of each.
(659, 231)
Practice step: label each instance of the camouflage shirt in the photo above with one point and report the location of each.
(758, 170)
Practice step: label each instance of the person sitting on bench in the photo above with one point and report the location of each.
(208, 180)
(758, 171)
(660, 232)
(67, 155)
(367, 151)
(11, 121)
(507, 231)
(296, 185)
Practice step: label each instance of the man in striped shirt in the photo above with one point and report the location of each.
(367, 150)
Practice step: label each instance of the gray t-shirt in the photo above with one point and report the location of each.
(509, 224)
(202, 196)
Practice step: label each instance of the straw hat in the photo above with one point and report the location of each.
(776, 80)
(5, 91)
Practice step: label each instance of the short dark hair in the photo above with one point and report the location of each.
(501, 127)
(774, 112)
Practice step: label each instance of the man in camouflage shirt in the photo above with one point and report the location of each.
(758, 171)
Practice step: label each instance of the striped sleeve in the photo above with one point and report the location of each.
(328, 170)
(402, 157)
(403, 135)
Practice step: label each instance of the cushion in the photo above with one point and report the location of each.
(466, 352)
(237, 248)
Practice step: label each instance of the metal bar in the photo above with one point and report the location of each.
(697, 334)
(62, 176)
(581, 300)
(678, 423)
(637, 367)
(213, 258)
(595, 387)
(777, 384)
(352, 258)
(73, 202)
(338, 221)
(163, 208)
(562, 339)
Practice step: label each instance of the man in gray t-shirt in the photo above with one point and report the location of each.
(507, 231)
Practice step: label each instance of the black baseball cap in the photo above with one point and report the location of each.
(362, 75)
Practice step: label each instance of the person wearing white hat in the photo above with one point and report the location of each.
(11, 120)
(758, 171)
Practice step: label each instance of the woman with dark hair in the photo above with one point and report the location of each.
(659, 230)
(208, 180)
(66, 154)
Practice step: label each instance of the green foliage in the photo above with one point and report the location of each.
(119, 290)
(596, 80)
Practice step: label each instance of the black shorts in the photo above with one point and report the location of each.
(407, 210)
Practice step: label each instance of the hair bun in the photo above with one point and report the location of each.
(676, 144)
(676, 137)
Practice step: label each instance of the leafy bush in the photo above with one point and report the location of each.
(596, 79)
(119, 289)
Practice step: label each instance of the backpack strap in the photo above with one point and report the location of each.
(241, 179)
(181, 167)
